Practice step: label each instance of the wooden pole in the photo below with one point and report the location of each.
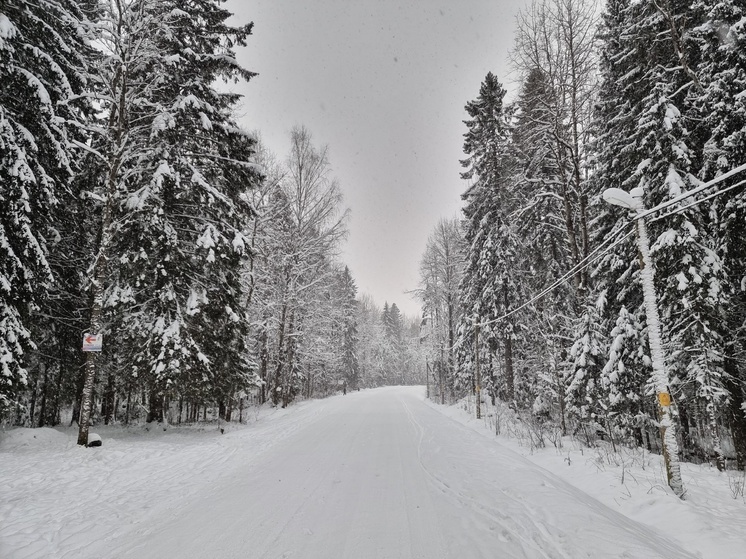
(478, 379)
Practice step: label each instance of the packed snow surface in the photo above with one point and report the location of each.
(373, 474)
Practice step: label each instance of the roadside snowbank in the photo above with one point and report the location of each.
(56, 497)
(710, 522)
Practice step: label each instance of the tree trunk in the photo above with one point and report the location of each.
(263, 363)
(76, 405)
(451, 341)
(229, 406)
(155, 404)
(560, 396)
(102, 258)
(287, 395)
(34, 390)
(509, 375)
(712, 425)
(108, 400)
(127, 409)
(736, 414)
(280, 357)
(686, 435)
(54, 417)
(43, 403)
(508, 342)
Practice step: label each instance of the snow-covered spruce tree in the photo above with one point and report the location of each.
(654, 67)
(392, 323)
(371, 334)
(177, 168)
(620, 65)
(541, 217)
(350, 364)
(42, 75)
(555, 55)
(689, 270)
(62, 315)
(489, 285)
(196, 183)
(586, 396)
(626, 406)
(388, 354)
(390, 346)
(541, 221)
(722, 106)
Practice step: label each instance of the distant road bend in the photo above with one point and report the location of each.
(380, 474)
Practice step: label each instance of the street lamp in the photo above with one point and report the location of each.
(633, 201)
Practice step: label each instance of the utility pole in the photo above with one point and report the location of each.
(427, 378)
(632, 201)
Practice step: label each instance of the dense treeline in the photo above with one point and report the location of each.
(133, 205)
(646, 96)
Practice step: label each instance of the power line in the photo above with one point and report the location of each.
(696, 202)
(582, 265)
(689, 193)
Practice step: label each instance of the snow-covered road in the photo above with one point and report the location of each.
(380, 474)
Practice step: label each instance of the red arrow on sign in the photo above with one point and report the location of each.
(90, 338)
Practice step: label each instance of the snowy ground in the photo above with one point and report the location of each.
(710, 523)
(373, 474)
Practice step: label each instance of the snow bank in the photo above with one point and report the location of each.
(32, 439)
(56, 497)
(709, 522)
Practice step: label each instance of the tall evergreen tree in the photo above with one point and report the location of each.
(722, 108)
(620, 66)
(350, 364)
(489, 284)
(177, 168)
(42, 76)
(392, 321)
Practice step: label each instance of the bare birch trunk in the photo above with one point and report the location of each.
(97, 286)
(117, 128)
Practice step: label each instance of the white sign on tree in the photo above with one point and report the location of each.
(93, 342)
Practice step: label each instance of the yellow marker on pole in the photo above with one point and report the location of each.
(664, 399)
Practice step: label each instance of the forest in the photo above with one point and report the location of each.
(536, 293)
(137, 214)
(133, 206)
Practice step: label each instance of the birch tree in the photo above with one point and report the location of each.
(312, 225)
(441, 272)
(555, 41)
(175, 166)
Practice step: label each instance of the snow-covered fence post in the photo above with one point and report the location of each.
(632, 201)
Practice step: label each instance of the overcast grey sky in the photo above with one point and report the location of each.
(383, 83)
